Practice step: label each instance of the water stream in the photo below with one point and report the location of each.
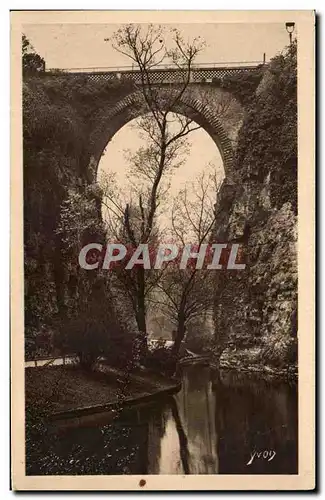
(234, 425)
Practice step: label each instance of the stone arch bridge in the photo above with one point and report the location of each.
(218, 111)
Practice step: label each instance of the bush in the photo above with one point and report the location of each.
(279, 351)
(96, 332)
(161, 360)
(267, 142)
(199, 343)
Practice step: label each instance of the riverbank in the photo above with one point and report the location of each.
(68, 391)
(249, 361)
(245, 361)
(209, 427)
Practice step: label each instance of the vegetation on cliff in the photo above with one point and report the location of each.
(258, 306)
(267, 145)
(61, 212)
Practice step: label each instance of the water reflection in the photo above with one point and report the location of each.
(217, 426)
(189, 444)
(256, 416)
(212, 426)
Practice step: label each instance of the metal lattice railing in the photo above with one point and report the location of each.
(163, 73)
(159, 67)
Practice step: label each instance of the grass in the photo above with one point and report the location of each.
(64, 388)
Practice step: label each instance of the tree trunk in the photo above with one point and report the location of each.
(141, 311)
(181, 329)
(183, 442)
(86, 360)
(59, 280)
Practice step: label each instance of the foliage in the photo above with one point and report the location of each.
(61, 208)
(199, 339)
(242, 85)
(86, 96)
(33, 63)
(56, 177)
(279, 350)
(268, 138)
(79, 224)
(162, 359)
(260, 211)
(49, 139)
(95, 330)
(93, 325)
(58, 205)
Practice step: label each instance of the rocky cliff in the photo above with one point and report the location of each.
(257, 207)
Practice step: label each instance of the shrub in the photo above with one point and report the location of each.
(161, 360)
(200, 342)
(96, 332)
(279, 350)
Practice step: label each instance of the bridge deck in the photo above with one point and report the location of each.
(163, 74)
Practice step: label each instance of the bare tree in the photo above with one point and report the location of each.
(165, 134)
(186, 294)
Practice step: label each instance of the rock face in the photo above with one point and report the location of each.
(257, 208)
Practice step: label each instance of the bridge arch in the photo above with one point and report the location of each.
(112, 119)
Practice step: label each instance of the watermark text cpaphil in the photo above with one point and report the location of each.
(215, 256)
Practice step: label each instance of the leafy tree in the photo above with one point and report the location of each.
(33, 63)
(96, 330)
(93, 326)
(79, 224)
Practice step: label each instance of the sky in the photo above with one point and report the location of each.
(83, 45)
(202, 154)
(68, 46)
